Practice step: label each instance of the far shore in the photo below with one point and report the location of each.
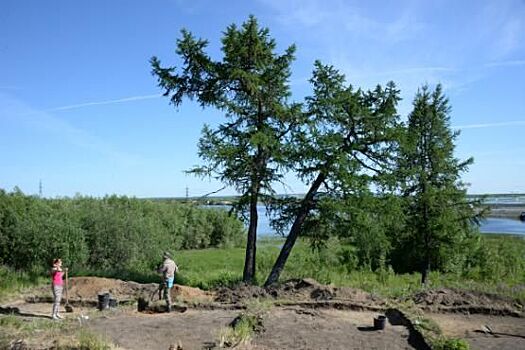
(506, 211)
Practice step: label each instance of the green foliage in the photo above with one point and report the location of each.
(250, 86)
(246, 324)
(14, 327)
(240, 333)
(33, 231)
(438, 216)
(365, 222)
(90, 341)
(210, 268)
(16, 281)
(12, 321)
(336, 263)
(344, 143)
(450, 344)
(110, 234)
(496, 257)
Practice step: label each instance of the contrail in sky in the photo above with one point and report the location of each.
(490, 125)
(505, 63)
(107, 102)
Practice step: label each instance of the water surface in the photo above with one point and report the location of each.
(489, 225)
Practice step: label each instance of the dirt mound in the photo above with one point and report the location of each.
(190, 294)
(239, 293)
(87, 288)
(462, 300)
(452, 297)
(309, 289)
(305, 289)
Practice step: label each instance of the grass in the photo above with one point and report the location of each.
(66, 334)
(239, 334)
(209, 268)
(15, 282)
(243, 328)
(507, 275)
(222, 267)
(90, 341)
(429, 329)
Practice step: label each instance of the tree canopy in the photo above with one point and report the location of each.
(393, 189)
(438, 215)
(347, 139)
(250, 85)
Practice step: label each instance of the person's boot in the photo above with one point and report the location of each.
(54, 313)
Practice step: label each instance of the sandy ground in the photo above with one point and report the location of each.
(295, 328)
(283, 329)
(508, 332)
(194, 329)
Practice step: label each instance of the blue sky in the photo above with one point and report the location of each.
(80, 110)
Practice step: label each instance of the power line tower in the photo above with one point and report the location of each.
(40, 188)
(187, 193)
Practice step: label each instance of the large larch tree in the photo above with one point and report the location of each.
(250, 86)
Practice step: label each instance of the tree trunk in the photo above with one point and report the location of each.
(249, 261)
(306, 206)
(425, 271)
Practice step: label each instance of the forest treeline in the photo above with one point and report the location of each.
(117, 234)
(111, 233)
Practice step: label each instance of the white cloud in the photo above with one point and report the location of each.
(20, 113)
(509, 63)
(491, 125)
(340, 19)
(107, 102)
(500, 27)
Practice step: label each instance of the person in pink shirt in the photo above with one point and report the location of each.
(57, 284)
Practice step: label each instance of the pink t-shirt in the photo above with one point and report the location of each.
(56, 278)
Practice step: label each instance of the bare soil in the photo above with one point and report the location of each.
(484, 331)
(285, 328)
(305, 315)
(85, 290)
(454, 300)
(293, 328)
(299, 290)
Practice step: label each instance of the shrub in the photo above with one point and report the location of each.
(112, 233)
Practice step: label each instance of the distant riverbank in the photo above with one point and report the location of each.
(510, 211)
(500, 220)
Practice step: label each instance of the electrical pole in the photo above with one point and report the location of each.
(187, 194)
(40, 188)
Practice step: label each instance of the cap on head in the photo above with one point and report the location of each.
(166, 255)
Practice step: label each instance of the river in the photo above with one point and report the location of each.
(489, 225)
(502, 225)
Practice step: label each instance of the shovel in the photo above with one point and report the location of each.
(68, 307)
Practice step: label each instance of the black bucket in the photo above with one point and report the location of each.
(379, 322)
(103, 301)
(142, 304)
(113, 302)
